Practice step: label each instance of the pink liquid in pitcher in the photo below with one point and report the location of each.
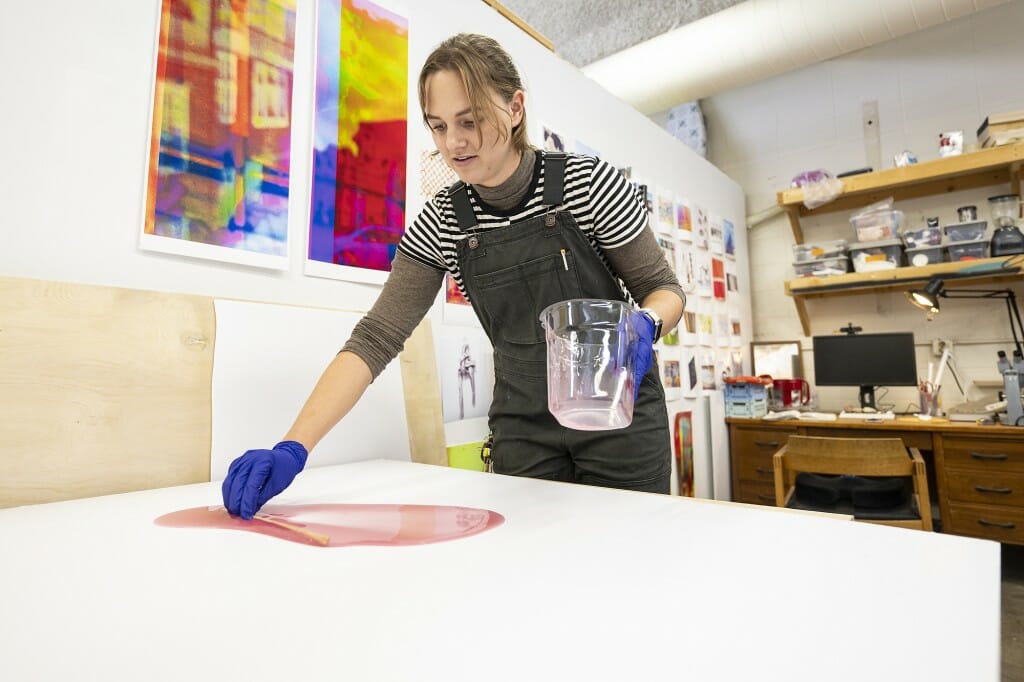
(341, 525)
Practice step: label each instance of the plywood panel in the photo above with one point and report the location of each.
(102, 390)
(423, 397)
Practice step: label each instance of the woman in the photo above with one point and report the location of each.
(520, 230)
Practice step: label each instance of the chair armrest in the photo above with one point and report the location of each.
(778, 464)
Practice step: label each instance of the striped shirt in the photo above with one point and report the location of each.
(604, 204)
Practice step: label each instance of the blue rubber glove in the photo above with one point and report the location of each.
(258, 475)
(643, 352)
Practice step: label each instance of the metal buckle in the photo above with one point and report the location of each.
(550, 218)
(474, 242)
(485, 454)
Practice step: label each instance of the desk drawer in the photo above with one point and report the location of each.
(987, 454)
(986, 487)
(758, 467)
(992, 523)
(755, 492)
(758, 441)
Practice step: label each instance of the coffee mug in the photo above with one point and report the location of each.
(791, 392)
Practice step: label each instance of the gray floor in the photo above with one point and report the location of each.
(1013, 613)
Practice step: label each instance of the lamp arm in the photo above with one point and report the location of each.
(1014, 311)
(1016, 325)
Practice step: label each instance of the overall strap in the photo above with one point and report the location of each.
(554, 178)
(463, 209)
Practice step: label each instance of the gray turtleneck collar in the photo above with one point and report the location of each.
(510, 193)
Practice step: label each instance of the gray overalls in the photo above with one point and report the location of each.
(511, 274)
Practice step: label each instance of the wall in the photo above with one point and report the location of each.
(944, 78)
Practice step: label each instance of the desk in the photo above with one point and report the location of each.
(977, 471)
(579, 583)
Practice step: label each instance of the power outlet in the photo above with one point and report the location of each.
(940, 345)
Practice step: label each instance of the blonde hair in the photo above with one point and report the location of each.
(484, 66)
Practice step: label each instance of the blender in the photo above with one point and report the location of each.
(1007, 238)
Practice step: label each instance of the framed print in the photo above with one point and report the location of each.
(778, 359)
(357, 198)
(219, 162)
(683, 441)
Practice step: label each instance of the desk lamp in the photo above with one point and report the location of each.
(928, 299)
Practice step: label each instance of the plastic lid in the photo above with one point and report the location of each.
(1003, 197)
(959, 244)
(842, 257)
(929, 247)
(874, 245)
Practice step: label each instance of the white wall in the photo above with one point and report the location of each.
(944, 78)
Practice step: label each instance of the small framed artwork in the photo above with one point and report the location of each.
(778, 359)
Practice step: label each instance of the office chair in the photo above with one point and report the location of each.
(874, 479)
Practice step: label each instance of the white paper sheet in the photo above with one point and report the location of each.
(267, 360)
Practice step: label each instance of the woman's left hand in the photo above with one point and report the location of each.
(643, 352)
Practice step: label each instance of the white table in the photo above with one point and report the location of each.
(579, 583)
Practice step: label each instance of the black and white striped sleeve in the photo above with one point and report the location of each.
(422, 241)
(618, 214)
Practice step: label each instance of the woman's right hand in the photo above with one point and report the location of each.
(259, 475)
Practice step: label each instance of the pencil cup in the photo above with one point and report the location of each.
(929, 403)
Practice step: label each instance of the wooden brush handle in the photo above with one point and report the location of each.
(316, 537)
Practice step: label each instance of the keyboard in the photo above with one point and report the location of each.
(868, 416)
(804, 416)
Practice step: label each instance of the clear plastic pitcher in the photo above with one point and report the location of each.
(590, 363)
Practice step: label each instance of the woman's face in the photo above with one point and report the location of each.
(479, 153)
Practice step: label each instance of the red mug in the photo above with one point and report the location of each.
(791, 392)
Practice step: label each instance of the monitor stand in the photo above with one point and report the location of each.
(867, 397)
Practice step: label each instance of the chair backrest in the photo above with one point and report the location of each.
(865, 457)
(853, 456)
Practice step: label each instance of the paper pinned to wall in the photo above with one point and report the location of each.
(267, 359)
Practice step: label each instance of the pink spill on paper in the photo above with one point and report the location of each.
(341, 525)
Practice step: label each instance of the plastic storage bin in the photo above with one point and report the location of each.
(751, 410)
(885, 254)
(819, 250)
(822, 268)
(967, 250)
(921, 238)
(966, 232)
(745, 390)
(876, 225)
(925, 255)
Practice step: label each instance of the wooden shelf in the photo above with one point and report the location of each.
(980, 271)
(993, 166)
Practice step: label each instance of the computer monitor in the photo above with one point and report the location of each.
(865, 360)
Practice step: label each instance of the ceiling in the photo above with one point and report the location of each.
(701, 48)
(584, 31)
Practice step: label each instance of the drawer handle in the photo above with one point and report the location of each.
(999, 457)
(999, 491)
(767, 443)
(1007, 525)
(764, 470)
(767, 498)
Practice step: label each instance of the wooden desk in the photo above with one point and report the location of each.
(579, 583)
(977, 471)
